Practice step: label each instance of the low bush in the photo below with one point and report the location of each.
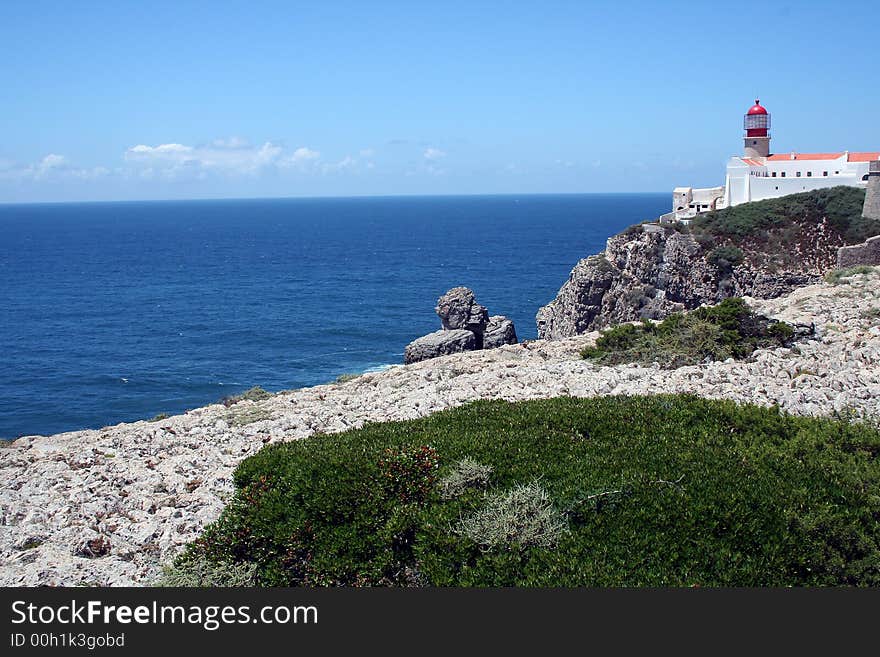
(252, 394)
(464, 475)
(345, 378)
(198, 572)
(240, 418)
(728, 330)
(725, 258)
(519, 518)
(838, 276)
(693, 491)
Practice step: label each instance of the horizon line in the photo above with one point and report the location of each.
(318, 197)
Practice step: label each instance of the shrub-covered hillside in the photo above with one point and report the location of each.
(783, 232)
(631, 491)
(840, 206)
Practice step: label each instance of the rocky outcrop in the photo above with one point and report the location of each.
(466, 326)
(650, 274)
(457, 309)
(439, 343)
(108, 507)
(499, 332)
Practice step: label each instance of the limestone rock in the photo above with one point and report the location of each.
(458, 309)
(439, 343)
(499, 331)
(648, 275)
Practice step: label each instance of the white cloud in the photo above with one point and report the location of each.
(434, 154)
(300, 158)
(231, 142)
(51, 166)
(345, 164)
(228, 156)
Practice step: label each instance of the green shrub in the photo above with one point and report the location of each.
(243, 417)
(837, 276)
(694, 492)
(725, 258)
(464, 475)
(252, 394)
(727, 330)
(198, 572)
(519, 518)
(345, 378)
(159, 417)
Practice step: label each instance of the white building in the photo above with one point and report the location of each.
(758, 175)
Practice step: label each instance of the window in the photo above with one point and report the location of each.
(865, 177)
(798, 174)
(809, 174)
(773, 174)
(825, 174)
(837, 173)
(782, 175)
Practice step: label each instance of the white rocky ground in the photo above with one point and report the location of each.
(142, 490)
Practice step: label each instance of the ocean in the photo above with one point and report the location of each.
(113, 312)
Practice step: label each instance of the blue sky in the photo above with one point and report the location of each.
(126, 100)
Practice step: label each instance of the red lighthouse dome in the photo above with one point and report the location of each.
(757, 121)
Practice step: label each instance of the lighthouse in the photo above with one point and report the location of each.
(757, 174)
(756, 123)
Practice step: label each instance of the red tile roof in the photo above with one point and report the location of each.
(863, 157)
(751, 162)
(779, 157)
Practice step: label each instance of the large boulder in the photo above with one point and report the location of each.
(439, 343)
(499, 331)
(458, 309)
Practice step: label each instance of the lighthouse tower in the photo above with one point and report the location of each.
(757, 126)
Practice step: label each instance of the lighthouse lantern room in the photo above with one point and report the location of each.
(757, 126)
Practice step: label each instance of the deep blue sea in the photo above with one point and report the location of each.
(113, 312)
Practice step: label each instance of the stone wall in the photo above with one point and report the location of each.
(866, 253)
(872, 193)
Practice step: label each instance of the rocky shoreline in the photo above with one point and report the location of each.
(107, 507)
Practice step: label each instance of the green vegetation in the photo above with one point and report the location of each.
(725, 258)
(837, 276)
(345, 378)
(516, 519)
(841, 206)
(728, 330)
(243, 417)
(464, 475)
(159, 417)
(198, 572)
(252, 394)
(612, 491)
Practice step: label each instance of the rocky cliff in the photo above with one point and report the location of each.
(762, 251)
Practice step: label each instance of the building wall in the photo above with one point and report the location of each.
(742, 186)
(746, 187)
(764, 188)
